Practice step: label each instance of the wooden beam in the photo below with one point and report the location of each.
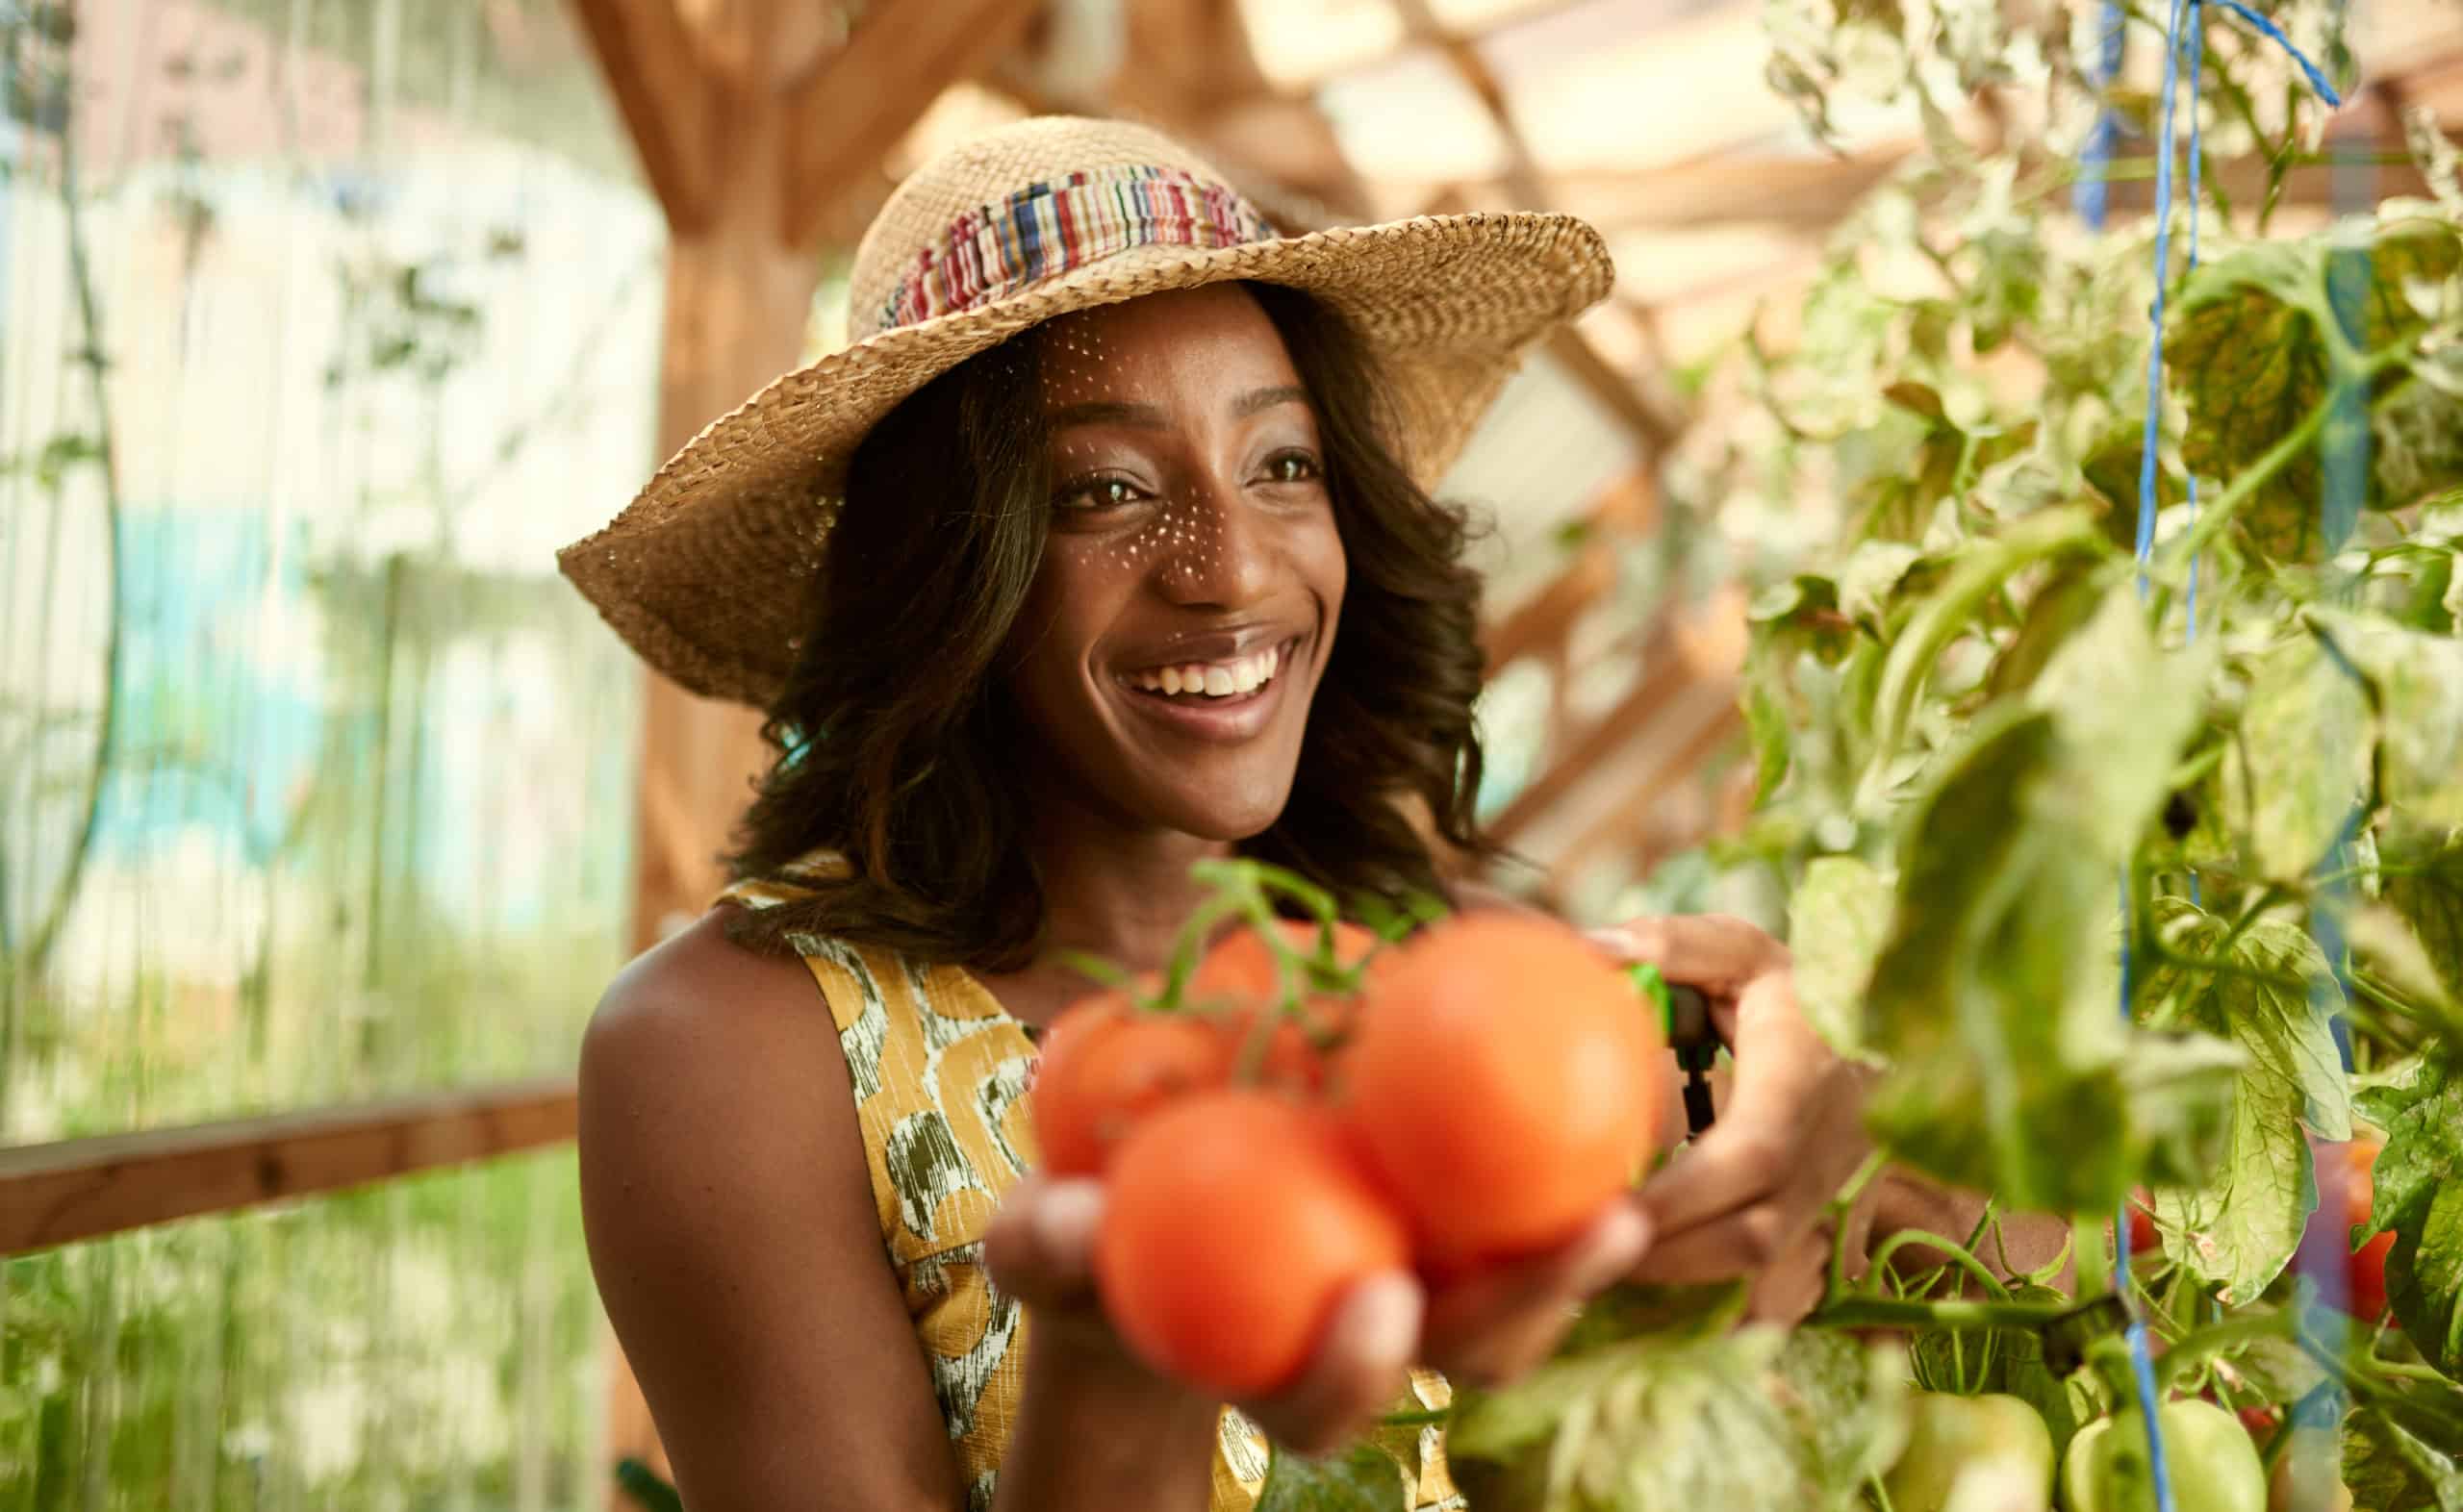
(1680, 656)
(1621, 395)
(1630, 819)
(669, 100)
(854, 109)
(82, 1188)
(1629, 507)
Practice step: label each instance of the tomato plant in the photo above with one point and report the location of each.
(2128, 869)
(1234, 1219)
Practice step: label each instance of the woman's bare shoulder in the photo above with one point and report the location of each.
(701, 996)
(728, 1209)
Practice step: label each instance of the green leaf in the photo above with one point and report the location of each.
(2423, 882)
(1869, 581)
(2256, 341)
(2418, 683)
(2058, 611)
(2418, 1197)
(1847, 1401)
(1978, 576)
(1750, 1422)
(2302, 759)
(1836, 919)
(2239, 1229)
(1994, 996)
(2126, 708)
(2388, 1468)
(1362, 1479)
(1765, 720)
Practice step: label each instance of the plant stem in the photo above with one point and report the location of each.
(1836, 1212)
(1416, 1417)
(1889, 1312)
(2216, 1338)
(1958, 1254)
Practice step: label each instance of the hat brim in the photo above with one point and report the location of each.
(704, 572)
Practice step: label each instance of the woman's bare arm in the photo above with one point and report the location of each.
(734, 1233)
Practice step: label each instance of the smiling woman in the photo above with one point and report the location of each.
(1126, 575)
(1106, 549)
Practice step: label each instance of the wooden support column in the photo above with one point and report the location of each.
(753, 119)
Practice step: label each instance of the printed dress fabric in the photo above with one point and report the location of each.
(940, 1073)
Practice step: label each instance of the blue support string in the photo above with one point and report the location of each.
(2092, 194)
(2185, 31)
(2274, 34)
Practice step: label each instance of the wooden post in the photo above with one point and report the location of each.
(753, 119)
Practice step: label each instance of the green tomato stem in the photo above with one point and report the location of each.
(1959, 1253)
(1885, 1312)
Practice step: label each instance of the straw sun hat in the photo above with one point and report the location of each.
(704, 572)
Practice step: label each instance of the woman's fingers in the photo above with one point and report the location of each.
(1505, 1320)
(1361, 1367)
(1712, 951)
(1040, 1245)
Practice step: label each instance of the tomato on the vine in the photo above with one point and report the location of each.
(1241, 967)
(2213, 1465)
(1504, 1080)
(1235, 1219)
(1992, 1438)
(1104, 1066)
(2365, 1274)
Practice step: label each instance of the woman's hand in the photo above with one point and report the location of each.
(1487, 1328)
(1749, 1197)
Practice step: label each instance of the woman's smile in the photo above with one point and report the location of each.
(1225, 698)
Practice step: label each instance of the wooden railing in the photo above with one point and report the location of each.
(84, 1188)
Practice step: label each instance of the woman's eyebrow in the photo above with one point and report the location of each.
(1148, 417)
(1258, 401)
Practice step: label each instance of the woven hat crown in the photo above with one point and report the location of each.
(983, 176)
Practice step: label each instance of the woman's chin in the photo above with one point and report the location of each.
(1227, 817)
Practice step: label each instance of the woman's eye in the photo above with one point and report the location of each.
(1097, 492)
(1291, 466)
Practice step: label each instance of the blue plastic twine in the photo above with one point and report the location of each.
(2179, 38)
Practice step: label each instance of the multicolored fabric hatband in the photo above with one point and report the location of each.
(1046, 229)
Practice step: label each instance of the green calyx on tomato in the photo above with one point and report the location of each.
(2212, 1465)
(1992, 1440)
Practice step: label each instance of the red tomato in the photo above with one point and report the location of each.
(1235, 1219)
(1505, 1081)
(1104, 1067)
(1241, 970)
(2366, 1277)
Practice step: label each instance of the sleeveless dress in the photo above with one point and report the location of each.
(939, 1071)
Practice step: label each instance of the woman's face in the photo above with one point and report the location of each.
(1192, 576)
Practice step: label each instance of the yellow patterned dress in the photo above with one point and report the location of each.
(940, 1075)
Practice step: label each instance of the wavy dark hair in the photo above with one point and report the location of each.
(893, 728)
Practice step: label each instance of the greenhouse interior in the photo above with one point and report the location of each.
(1873, 918)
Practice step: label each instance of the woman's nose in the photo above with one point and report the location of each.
(1217, 551)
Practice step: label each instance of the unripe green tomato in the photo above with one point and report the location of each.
(2214, 1465)
(1946, 1435)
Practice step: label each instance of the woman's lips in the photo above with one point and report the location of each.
(1224, 718)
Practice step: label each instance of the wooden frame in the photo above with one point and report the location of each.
(84, 1187)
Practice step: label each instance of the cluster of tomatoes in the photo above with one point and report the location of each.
(1488, 1088)
(2214, 1460)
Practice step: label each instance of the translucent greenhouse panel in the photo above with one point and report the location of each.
(429, 1342)
(322, 326)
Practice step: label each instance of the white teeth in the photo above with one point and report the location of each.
(1221, 680)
